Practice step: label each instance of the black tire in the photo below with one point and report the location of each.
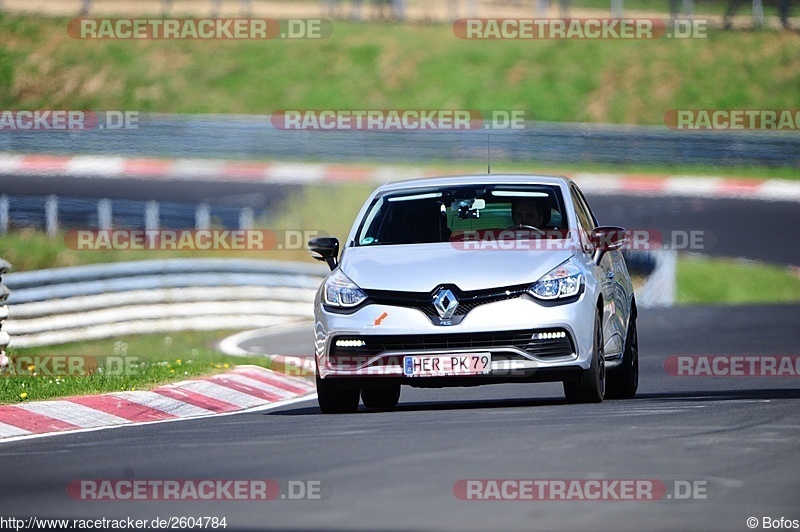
(623, 381)
(385, 397)
(335, 398)
(591, 386)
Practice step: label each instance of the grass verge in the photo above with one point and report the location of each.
(703, 280)
(114, 364)
(382, 65)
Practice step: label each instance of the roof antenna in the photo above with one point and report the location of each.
(488, 155)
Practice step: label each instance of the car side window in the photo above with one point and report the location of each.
(584, 219)
(585, 205)
(587, 224)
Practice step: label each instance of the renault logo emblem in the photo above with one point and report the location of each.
(445, 303)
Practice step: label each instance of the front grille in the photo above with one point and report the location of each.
(423, 301)
(526, 340)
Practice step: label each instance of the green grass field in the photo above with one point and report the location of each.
(387, 65)
(702, 280)
(136, 363)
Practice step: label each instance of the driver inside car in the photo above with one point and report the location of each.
(528, 213)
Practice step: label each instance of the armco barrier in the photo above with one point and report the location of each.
(4, 293)
(89, 302)
(202, 137)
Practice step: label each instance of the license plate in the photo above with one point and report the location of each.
(447, 365)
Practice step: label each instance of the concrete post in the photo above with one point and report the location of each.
(616, 9)
(51, 216)
(758, 13)
(246, 8)
(542, 8)
(104, 214)
(3, 213)
(688, 8)
(151, 222)
(215, 8)
(246, 218)
(472, 8)
(202, 216)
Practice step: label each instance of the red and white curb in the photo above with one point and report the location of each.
(104, 167)
(243, 388)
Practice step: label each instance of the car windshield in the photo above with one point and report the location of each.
(452, 214)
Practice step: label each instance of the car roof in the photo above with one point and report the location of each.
(482, 179)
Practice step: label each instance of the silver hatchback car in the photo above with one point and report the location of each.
(470, 280)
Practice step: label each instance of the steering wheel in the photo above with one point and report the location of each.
(526, 227)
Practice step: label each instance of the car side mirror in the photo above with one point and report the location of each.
(325, 248)
(607, 238)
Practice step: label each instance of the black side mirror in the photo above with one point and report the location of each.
(607, 238)
(325, 248)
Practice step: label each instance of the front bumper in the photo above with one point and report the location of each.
(374, 339)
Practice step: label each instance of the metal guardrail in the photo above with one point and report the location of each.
(53, 213)
(83, 303)
(4, 293)
(255, 138)
(147, 268)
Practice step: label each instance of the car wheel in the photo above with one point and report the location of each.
(591, 386)
(383, 397)
(334, 398)
(624, 381)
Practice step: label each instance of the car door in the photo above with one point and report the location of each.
(623, 288)
(612, 277)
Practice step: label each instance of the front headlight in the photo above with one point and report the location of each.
(565, 280)
(341, 292)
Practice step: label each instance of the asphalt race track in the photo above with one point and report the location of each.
(760, 230)
(736, 437)
(145, 190)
